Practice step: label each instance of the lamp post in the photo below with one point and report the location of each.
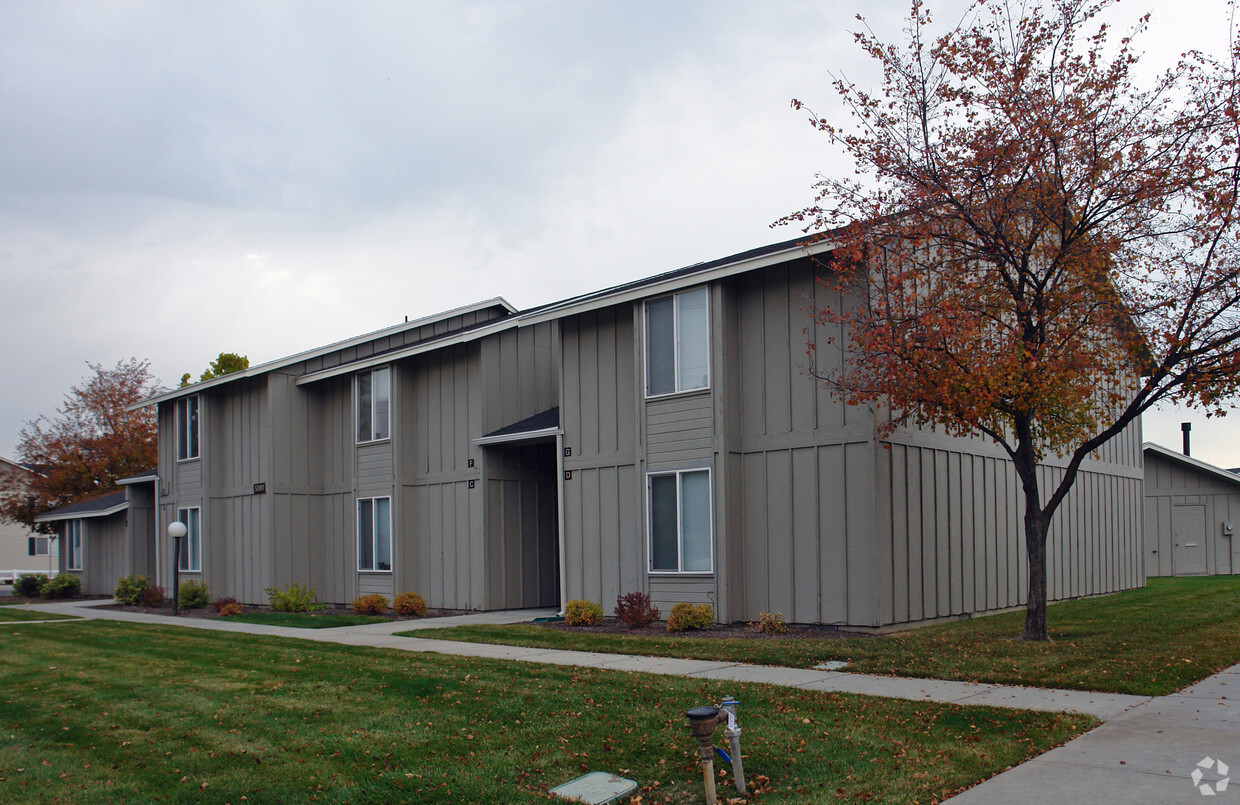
(176, 530)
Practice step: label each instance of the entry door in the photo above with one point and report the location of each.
(1188, 534)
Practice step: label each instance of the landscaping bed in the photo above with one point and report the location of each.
(329, 616)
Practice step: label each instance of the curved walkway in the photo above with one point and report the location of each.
(1159, 750)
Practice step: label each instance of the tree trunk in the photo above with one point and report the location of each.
(1035, 547)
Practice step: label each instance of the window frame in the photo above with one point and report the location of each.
(191, 548)
(33, 545)
(374, 405)
(680, 537)
(676, 342)
(73, 545)
(374, 536)
(182, 418)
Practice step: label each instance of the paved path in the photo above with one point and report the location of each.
(1145, 751)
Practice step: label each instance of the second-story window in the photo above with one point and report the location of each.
(677, 343)
(374, 403)
(187, 428)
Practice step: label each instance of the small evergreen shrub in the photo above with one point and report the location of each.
(30, 585)
(227, 606)
(193, 594)
(409, 604)
(293, 598)
(63, 586)
(128, 588)
(372, 604)
(634, 610)
(151, 596)
(579, 612)
(769, 623)
(685, 617)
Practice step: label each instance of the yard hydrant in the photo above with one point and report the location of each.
(702, 724)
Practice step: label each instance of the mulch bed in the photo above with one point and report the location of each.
(734, 631)
(209, 612)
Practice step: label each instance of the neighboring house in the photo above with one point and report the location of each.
(1192, 511)
(110, 536)
(657, 436)
(22, 550)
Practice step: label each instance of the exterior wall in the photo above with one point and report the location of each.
(15, 555)
(105, 552)
(1172, 487)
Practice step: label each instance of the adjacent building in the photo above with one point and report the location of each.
(1192, 511)
(23, 550)
(661, 435)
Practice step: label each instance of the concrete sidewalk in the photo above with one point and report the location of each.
(1100, 705)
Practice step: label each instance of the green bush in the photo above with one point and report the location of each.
(579, 612)
(128, 588)
(293, 598)
(63, 586)
(193, 594)
(30, 585)
(151, 596)
(690, 616)
(409, 604)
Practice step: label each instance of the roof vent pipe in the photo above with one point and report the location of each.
(1185, 427)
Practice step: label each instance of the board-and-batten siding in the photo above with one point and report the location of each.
(604, 552)
(1170, 484)
(106, 554)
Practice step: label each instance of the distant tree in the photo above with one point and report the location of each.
(92, 442)
(226, 363)
(1041, 250)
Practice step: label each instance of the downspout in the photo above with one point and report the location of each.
(559, 494)
(159, 565)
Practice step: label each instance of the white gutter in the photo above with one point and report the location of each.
(525, 435)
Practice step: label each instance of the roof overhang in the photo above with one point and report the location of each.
(52, 517)
(280, 363)
(523, 436)
(1189, 461)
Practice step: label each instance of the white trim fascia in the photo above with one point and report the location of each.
(1197, 463)
(596, 301)
(150, 479)
(280, 363)
(53, 518)
(398, 354)
(518, 437)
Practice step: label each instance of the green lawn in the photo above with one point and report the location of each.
(7, 615)
(306, 620)
(103, 712)
(1151, 641)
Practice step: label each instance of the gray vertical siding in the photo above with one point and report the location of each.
(106, 553)
(1170, 484)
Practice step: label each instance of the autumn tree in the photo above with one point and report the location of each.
(1041, 250)
(226, 363)
(91, 442)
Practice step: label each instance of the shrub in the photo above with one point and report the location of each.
(768, 623)
(409, 604)
(579, 612)
(690, 616)
(293, 598)
(193, 594)
(372, 604)
(30, 585)
(63, 586)
(128, 588)
(151, 596)
(635, 611)
(227, 606)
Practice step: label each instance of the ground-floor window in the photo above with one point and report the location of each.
(73, 545)
(38, 546)
(191, 546)
(681, 524)
(374, 534)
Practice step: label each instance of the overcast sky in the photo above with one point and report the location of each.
(180, 179)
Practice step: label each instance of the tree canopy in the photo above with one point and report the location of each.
(225, 363)
(92, 442)
(1043, 249)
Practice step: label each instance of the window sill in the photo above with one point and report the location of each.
(673, 394)
(188, 460)
(696, 574)
(375, 572)
(373, 441)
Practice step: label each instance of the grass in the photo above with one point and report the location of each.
(1150, 642)
(11, 615)
(100, 711)
(306, 620)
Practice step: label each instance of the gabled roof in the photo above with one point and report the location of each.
(544, 423)
(1189, 461)
(101, 506)
(146, 476)
(279, 363)
(13, 465)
